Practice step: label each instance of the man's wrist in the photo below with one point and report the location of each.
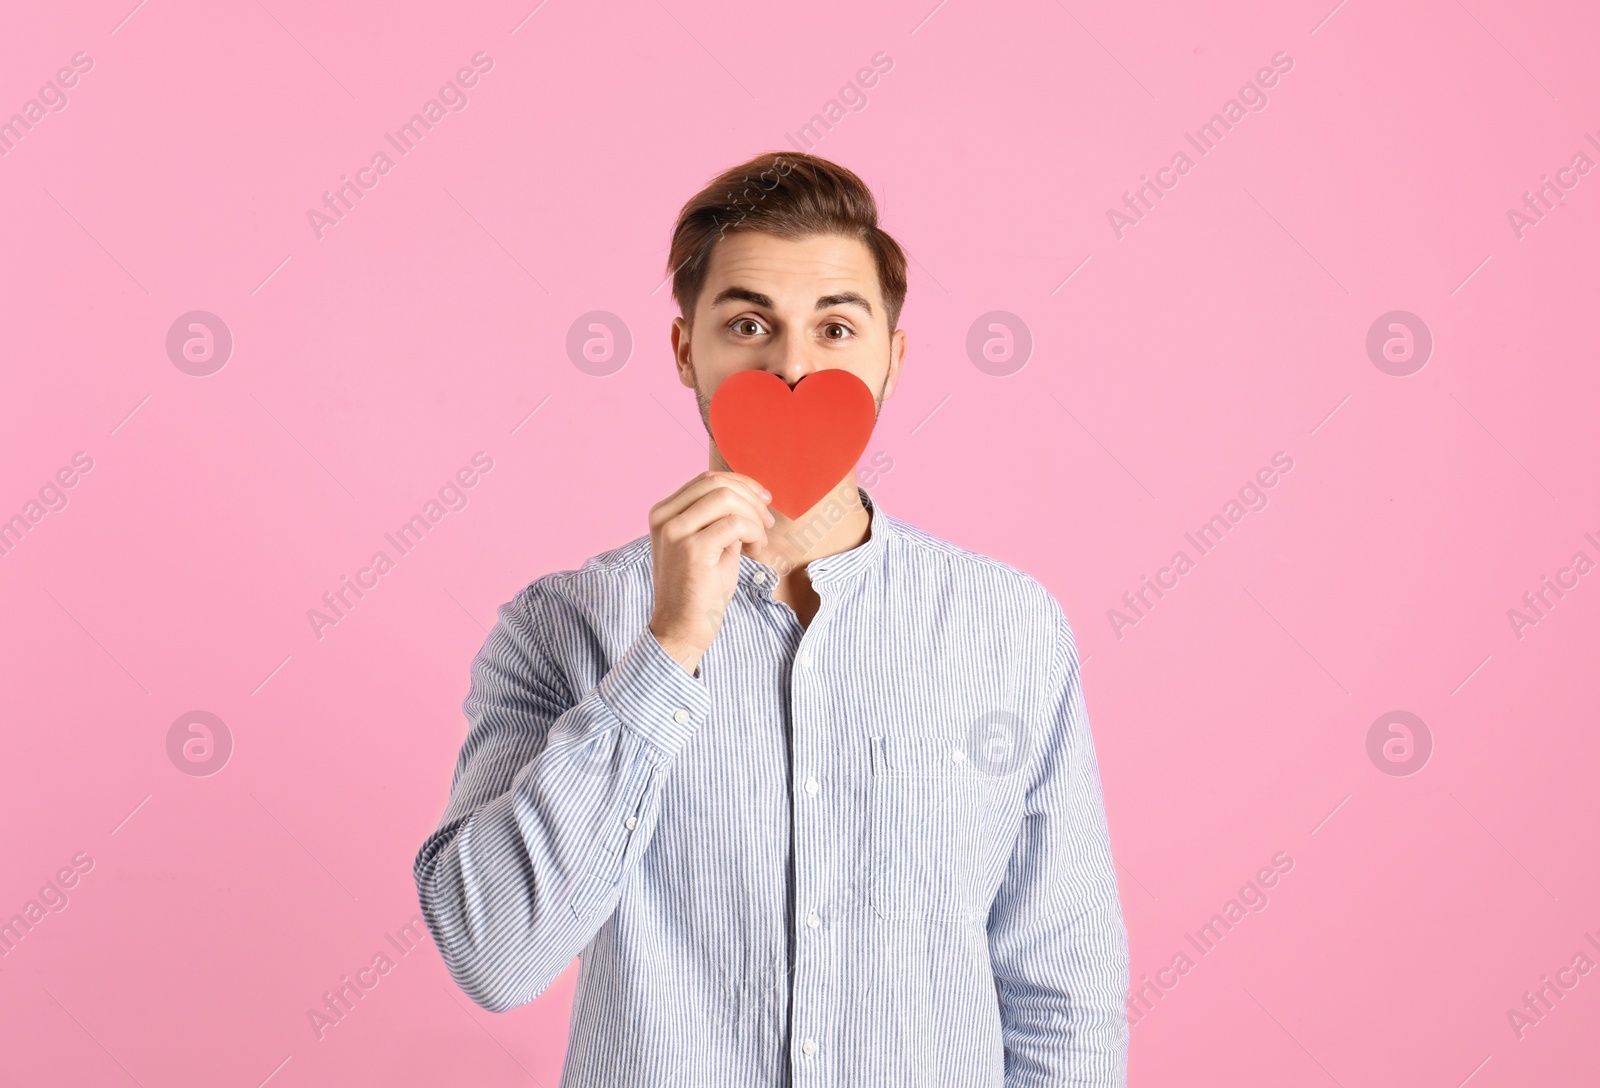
(653, 696)
(684, 654)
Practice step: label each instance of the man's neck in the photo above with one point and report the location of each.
(837, 523)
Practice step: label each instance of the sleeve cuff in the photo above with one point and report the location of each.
(654, 697)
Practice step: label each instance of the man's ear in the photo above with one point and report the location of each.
(897, 356)
(680, 351)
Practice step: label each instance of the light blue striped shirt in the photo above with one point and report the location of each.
(869, 851)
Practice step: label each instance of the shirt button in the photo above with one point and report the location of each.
(680, 715)
(812, 920)
(805, 658)
(812, 787)
(632, 822)
(957, 755)
(809, 1046)
(759, 577)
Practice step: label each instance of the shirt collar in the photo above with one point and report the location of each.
(829, 568)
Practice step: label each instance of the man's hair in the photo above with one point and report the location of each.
(789, 194)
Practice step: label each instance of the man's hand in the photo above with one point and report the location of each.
(696, 537)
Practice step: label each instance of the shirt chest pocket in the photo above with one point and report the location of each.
(925, 825)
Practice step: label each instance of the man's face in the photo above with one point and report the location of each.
(789, 307)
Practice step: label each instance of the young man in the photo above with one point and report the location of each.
(815, 800)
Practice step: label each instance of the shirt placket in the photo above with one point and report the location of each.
(810, 1016)
(809, 786)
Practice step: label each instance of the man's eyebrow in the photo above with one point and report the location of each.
(845, 298)
(756, 298)
(744, 294)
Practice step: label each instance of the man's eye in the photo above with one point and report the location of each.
(747, 326)
(833, 330)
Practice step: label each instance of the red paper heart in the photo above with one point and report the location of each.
(798, 443)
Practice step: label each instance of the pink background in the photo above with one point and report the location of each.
(1167, 368)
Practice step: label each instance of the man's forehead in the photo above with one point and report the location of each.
(814, 265)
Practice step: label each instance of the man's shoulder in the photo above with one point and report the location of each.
(956, 567)
(610, 574)
(625, 559)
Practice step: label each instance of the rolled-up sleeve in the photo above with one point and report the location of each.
(1056, 935)
(554, 797)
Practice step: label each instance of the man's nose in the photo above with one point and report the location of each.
(794, 361)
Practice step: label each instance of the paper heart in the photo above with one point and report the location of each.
(798, 443)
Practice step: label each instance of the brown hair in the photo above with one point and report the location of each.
(790, 194)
